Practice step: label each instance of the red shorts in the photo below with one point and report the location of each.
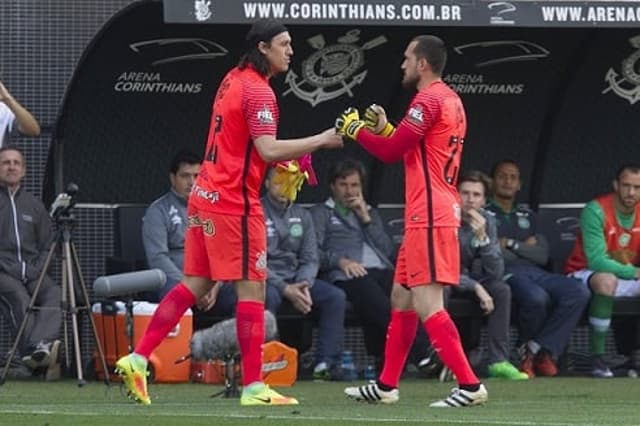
(429, 255)
(225, 247)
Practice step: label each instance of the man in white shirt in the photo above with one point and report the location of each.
(14, 117)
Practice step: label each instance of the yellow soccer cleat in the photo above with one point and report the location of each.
(133, 370)
(261, 394)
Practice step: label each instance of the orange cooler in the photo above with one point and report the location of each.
(112, 332)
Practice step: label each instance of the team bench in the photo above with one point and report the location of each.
(129, 255)
(558, 222)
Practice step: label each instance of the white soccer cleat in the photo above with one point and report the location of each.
(372, 393)
(462, 398)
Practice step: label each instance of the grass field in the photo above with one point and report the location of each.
(557, 401)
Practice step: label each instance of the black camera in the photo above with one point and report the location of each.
(64, 202)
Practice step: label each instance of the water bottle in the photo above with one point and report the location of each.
(369, 373)
(347, 366)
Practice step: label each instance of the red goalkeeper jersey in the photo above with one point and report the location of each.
(232, 171)
(432, 166)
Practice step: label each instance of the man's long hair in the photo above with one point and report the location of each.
(262, 31)
(255, 58)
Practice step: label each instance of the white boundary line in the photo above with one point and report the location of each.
(262, 416)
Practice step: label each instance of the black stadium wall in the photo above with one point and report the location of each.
(561, 102)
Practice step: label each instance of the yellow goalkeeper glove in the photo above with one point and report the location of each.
(290, 178)
(375, 119)
(349, 124)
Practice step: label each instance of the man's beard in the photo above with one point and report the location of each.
(410, 82)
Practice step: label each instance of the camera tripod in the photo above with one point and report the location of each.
(230, 378)
(70, 268)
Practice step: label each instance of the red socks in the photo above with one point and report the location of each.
(446, 341)
(167, 315)
(400, 336)
(250, 330)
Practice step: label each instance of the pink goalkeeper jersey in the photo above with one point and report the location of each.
(432, 167)
(232, 172)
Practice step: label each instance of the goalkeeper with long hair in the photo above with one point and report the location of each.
(226, 238)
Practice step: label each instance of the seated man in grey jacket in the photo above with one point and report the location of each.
(482, 271)
(165, 222)
(25, 237)
(292, 265)
(355, 255)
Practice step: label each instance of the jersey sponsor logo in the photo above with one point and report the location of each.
(626, 84)
(261, 260)
(331, 71)
(207, 225)
(265, 116)
(211, 196)
(416, 115)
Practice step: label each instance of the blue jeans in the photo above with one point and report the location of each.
(549, 305)
(328, 310)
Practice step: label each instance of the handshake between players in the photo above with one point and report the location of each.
(375, 120)
(291, 175)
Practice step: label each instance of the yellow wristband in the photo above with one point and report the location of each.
(387, 130)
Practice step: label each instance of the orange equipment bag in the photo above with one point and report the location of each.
(279, 364)
(279, 367)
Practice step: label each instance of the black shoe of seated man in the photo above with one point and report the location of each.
(599, 368)
(431, 365)
(39, 357)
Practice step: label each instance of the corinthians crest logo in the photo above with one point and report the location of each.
(626, 86)
(332, 70)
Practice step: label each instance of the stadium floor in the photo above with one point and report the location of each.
(548, 401)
